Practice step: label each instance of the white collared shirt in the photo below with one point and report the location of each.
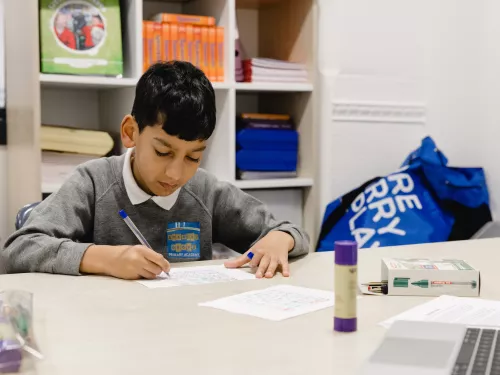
(136, 194)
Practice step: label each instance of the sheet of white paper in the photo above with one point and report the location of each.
(275, 303)
(197, 275)
(449, 309)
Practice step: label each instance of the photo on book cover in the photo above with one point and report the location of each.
(79, 26)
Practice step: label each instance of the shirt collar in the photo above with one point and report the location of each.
(136, 194)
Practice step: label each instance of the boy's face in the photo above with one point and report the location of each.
(162, 163)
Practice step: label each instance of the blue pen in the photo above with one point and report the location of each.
(136, 231)
(250, 255)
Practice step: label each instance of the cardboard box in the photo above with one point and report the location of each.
(430, 277)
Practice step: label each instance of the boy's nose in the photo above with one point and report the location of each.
(174, 172)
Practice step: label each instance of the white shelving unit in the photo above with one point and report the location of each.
(275, 183)
(273, 87)
(283, 29)
(82, 82)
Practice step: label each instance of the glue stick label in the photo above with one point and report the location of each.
(346, 284)
(183, 241)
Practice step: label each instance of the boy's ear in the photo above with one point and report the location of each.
(129, 131)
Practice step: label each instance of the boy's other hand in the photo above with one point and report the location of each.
(135, 262)
(124, 262)
(270, 252)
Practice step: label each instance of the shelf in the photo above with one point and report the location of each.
(274, 86)
(274, 183)
(221, 85)
(85, 82)
(50, 188)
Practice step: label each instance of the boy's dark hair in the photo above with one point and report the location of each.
(178, 96)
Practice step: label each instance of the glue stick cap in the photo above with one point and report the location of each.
(346, 252)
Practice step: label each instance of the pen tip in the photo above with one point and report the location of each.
(123, 214)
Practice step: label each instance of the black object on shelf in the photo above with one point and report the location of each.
(3, 126)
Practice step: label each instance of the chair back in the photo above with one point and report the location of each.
(24, 213)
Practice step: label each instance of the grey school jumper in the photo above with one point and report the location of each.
(85, 211)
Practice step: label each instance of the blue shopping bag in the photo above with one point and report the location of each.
(424, 201)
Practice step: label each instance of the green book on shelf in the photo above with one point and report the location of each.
(81, 37)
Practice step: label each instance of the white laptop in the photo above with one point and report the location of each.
(428, 348)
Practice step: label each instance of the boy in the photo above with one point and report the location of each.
(78, 230)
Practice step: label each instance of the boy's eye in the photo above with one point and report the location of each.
(193, 159)
(162, 153)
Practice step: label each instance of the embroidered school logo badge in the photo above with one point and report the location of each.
(183, 241)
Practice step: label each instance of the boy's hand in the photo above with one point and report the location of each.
(138, 261)
(269, 253)
(124, 262)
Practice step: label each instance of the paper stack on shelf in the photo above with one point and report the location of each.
(185, 37)
(267, 146)
(64, 148)
(271, 70)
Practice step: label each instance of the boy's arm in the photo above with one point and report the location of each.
(240, 220)
(47, 241)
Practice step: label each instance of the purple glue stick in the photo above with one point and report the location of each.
(10, 349)
(346, 286)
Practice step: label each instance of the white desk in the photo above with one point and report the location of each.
(95, 325)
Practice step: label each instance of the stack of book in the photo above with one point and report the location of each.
(185, 37)
(270, 70)
(64, 148)
(267, 146)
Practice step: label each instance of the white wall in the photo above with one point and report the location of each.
(432, 53)
(489, 95)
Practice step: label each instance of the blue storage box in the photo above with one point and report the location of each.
(265, 160)
(267, 139)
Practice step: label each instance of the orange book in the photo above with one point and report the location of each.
(189, 43)
(181, 55)
(165, 39)
(174, 41)
(211, 54)
(157, 43)
(184, 18)
(144, 47)
(196, 51)
(204, 50)
(149, 44)
(219, 50)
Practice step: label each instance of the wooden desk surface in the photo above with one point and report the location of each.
(97, 325)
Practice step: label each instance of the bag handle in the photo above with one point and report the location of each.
(337, 213)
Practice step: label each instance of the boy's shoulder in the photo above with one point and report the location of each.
(201, 181)
(103, 171)
(204, 184)
(104, 164)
